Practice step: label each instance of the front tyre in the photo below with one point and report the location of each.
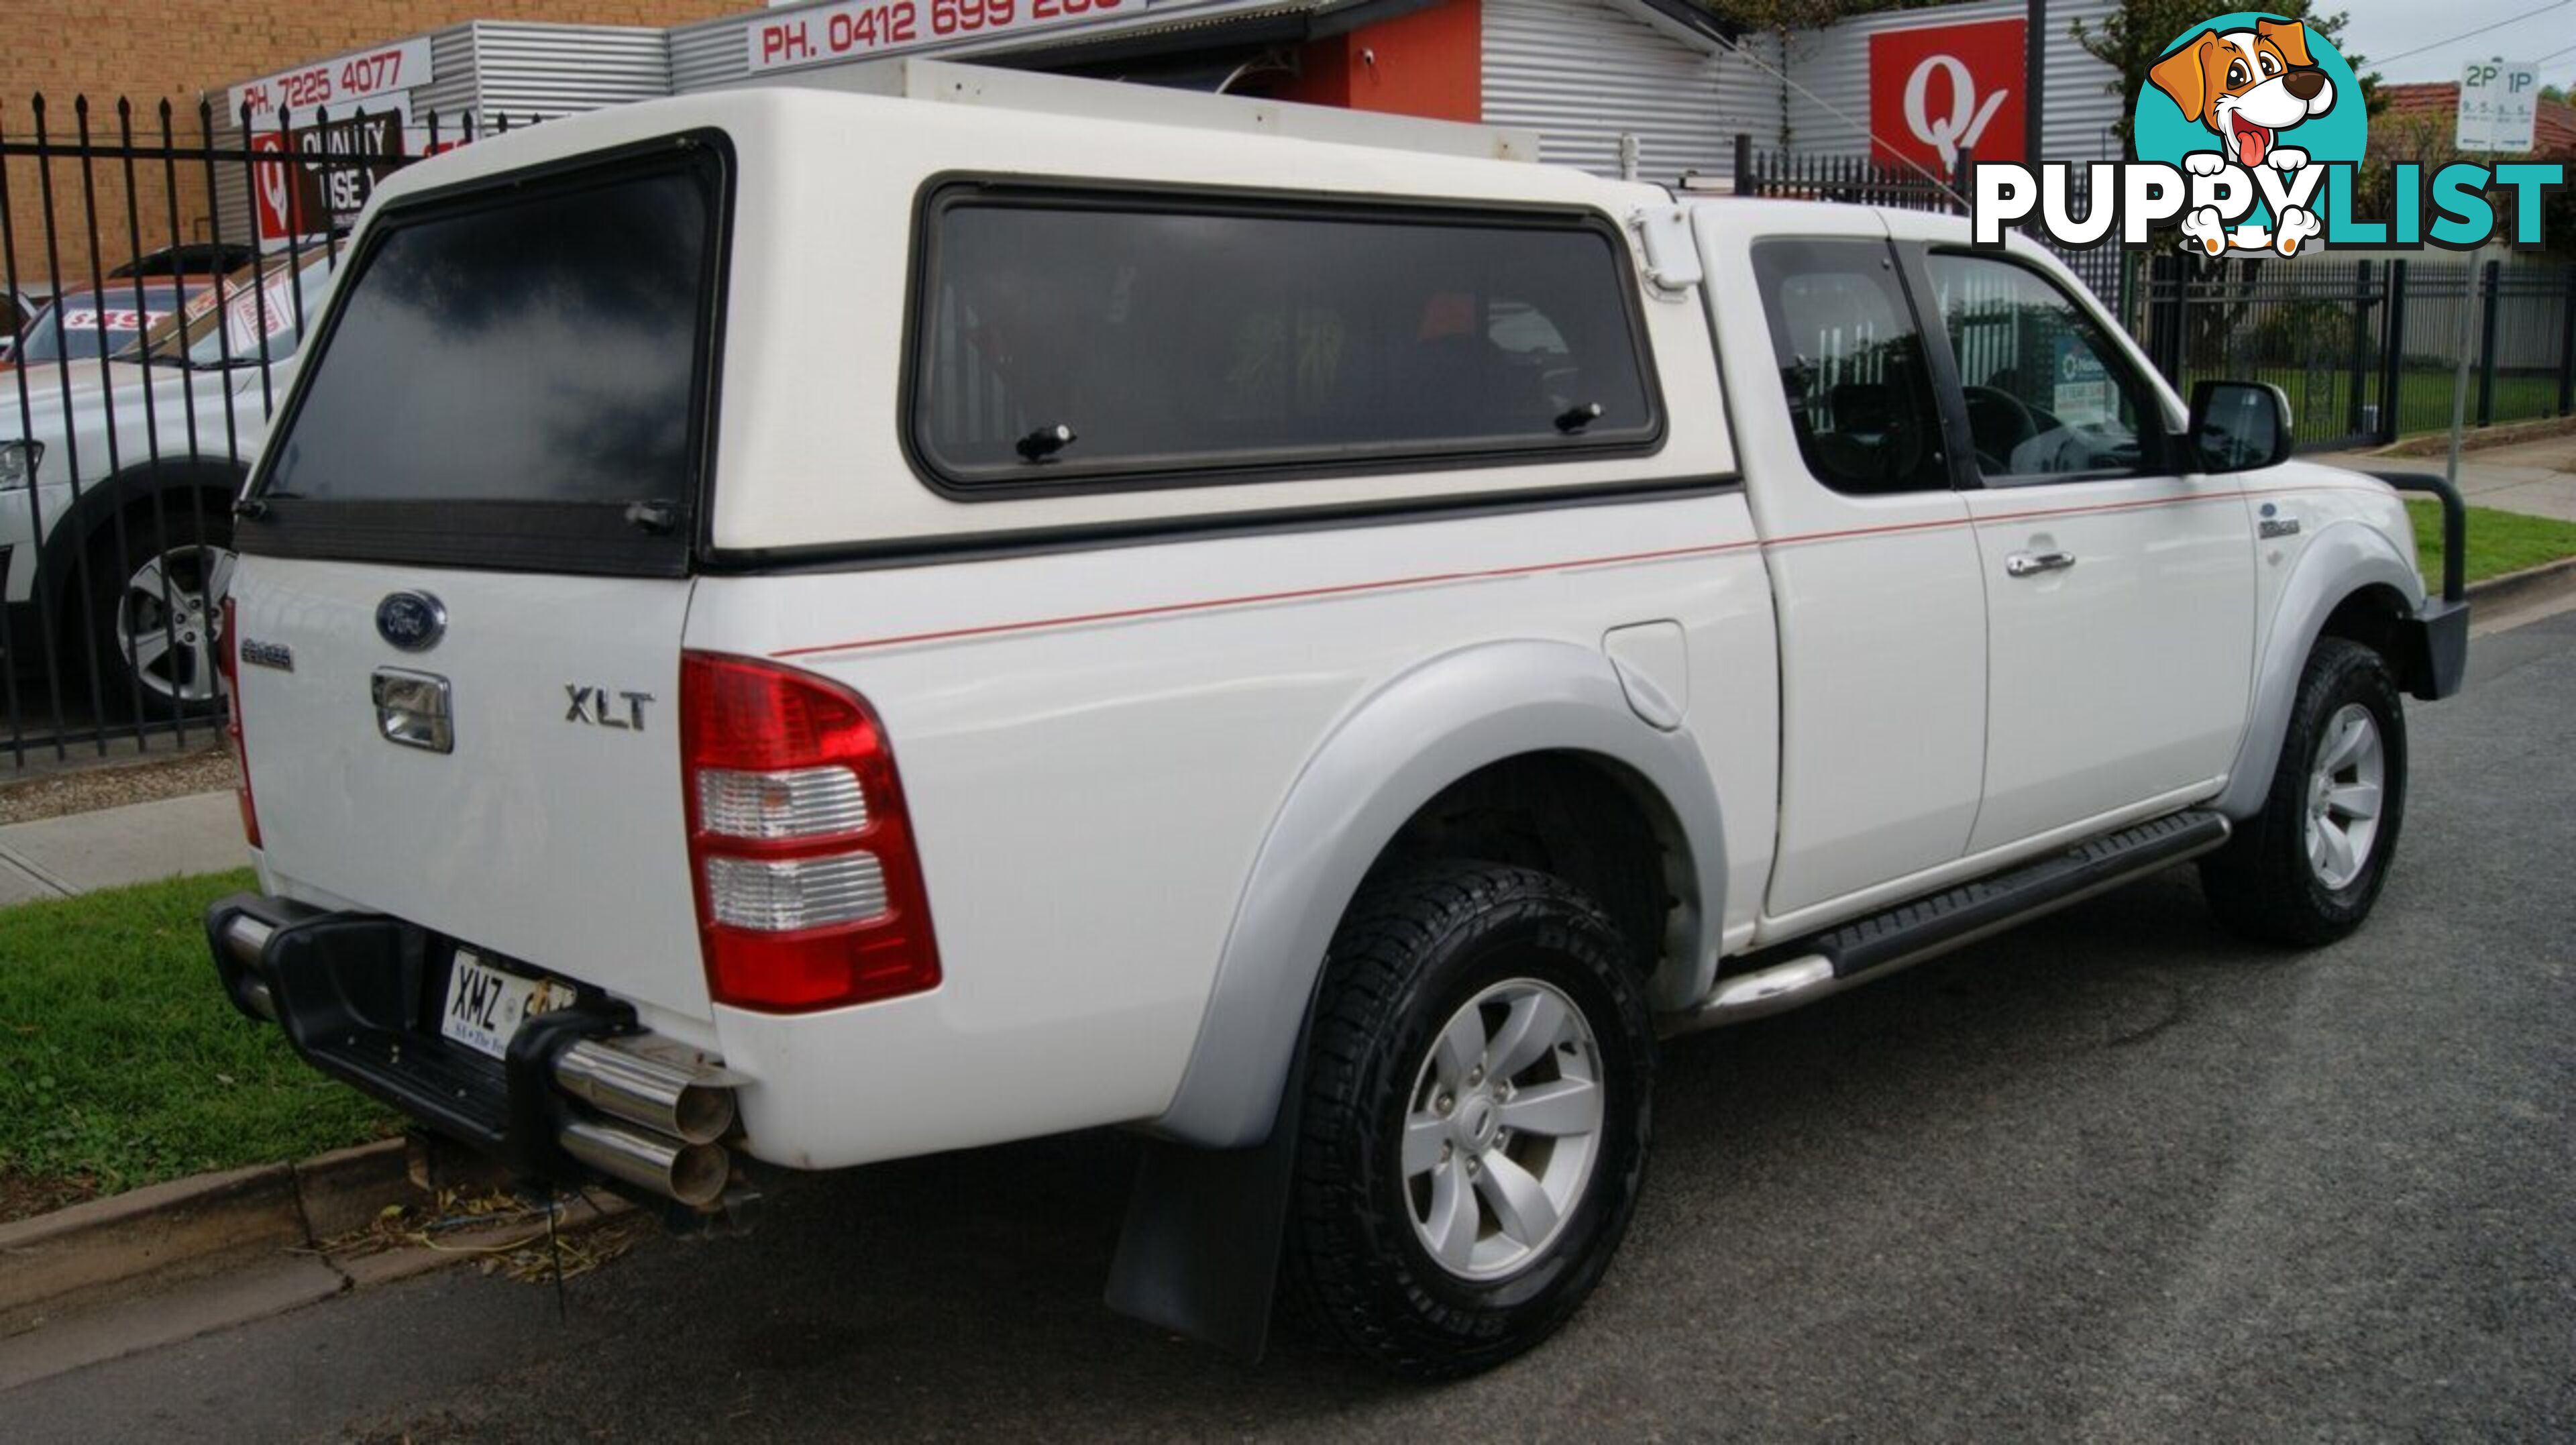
(1476, 1112)
(2307, 868)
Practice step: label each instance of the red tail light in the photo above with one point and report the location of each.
(228, 655)
(808, 885)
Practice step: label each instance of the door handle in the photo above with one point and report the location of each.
(2031, 564)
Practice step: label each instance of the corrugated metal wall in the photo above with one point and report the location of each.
(1582, 73)
(551, 70)
(1834, 63)
(709, 55)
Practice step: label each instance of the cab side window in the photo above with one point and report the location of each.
(1851, 365)
(2048, 397)
(1104, 339)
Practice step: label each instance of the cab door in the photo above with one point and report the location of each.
(1876, 575)
(2119, 587)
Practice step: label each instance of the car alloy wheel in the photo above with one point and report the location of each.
(1503, 1129)
(2344, 794)
(166, 619)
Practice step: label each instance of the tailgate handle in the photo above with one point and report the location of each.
(412, 709)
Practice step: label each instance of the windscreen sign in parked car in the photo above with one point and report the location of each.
(86, 323)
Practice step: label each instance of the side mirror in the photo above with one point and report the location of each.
(2239, 426)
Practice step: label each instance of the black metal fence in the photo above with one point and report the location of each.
(2369, 351)
(161, 263)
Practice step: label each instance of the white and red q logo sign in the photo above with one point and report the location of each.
(1938, 90)
(273, 179)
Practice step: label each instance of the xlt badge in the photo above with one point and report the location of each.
(598, 707)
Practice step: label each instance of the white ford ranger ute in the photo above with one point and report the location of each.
(783, 629)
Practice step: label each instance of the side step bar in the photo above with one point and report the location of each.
(1782, 978)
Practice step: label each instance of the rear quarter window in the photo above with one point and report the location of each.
(1079, 340)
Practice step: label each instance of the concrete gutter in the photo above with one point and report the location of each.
(95, 1252)
(2530, 587)
(165, 1263)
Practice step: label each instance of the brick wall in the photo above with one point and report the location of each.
(175, 49)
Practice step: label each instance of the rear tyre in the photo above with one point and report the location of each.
(2307, 868)
(154, 610)
(1476, 1112)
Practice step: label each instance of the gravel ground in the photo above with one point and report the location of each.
(113, 785)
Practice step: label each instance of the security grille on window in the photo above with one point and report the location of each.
(1065, 339)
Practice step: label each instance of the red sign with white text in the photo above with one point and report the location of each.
(1938, 90)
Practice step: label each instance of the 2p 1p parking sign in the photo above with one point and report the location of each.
(2499, 105)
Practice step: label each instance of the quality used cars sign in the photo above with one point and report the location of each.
(2249, 135)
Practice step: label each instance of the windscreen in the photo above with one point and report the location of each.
(542, 345)
(253, 317)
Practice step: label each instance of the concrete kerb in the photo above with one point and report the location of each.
(162, 1264)
(96, 1252)
(2528, 586)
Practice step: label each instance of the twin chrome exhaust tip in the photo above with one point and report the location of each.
(664, 1118)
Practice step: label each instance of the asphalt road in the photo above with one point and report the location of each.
(2115, 1176)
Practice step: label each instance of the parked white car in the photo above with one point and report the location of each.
(117, 480)
(1098, 608)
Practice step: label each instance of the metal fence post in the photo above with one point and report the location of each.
(2487, 348)
(2361, 300)
(2165, 315)
(2567, 342)
(1745, 185)
(2393, 361)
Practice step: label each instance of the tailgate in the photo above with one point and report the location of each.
(552, 829)
(478, 502)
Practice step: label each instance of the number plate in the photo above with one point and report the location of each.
(486, 1005)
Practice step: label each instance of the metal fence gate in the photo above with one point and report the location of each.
(160, 265)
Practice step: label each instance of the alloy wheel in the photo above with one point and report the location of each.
(2344, 796)
(1502, 1129)
(166, 618)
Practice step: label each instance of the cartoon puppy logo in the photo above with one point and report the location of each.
(2247, 87)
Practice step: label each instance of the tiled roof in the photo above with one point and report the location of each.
(2554, 134)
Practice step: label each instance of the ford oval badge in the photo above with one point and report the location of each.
(412, 621)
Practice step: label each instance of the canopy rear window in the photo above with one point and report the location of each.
(517, 376)
(1072, 339)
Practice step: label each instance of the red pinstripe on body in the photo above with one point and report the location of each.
(1431, 579)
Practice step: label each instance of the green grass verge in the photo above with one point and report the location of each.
(2499, 542)
(121, 1061)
